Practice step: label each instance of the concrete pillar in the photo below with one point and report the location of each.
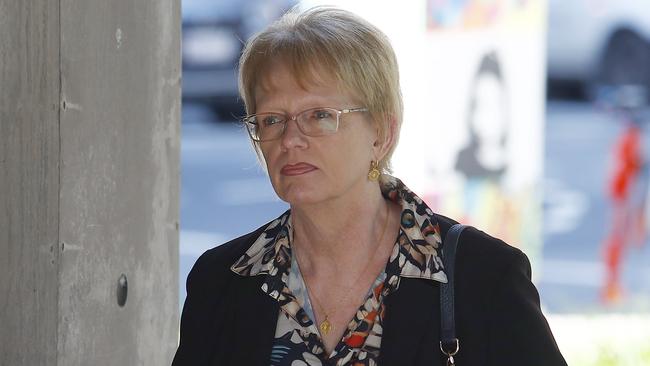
(89, 181)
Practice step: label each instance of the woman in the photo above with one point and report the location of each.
(350, 274)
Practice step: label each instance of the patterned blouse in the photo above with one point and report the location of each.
(297, 338)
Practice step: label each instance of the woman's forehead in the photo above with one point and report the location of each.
(318, 82)
(279, 74)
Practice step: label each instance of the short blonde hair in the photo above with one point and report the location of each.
(353, 51)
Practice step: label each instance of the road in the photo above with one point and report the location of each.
(226, 194)
(577, 214)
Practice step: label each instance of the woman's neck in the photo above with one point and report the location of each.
(332, 237)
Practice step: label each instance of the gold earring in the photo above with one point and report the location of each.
(374, 173)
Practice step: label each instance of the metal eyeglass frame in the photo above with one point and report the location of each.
(287, 118)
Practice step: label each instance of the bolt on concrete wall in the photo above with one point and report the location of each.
(89, 181)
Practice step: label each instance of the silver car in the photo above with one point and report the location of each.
(592, 43)
(214, 32)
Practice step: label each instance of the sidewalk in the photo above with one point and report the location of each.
(599, 340)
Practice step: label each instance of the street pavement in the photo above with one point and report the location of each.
(579, 160)
(225, 194)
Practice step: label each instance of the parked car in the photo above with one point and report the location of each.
(592, 43)
(214, 32)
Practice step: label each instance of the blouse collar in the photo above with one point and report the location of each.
(417, 245)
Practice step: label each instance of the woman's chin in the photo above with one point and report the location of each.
(298, 190)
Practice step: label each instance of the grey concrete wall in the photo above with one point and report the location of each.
(29, 181)
(89, 181)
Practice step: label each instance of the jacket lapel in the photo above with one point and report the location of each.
(253, 322)
(412, 324)
(410, 335)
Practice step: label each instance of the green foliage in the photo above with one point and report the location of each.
(607, 355)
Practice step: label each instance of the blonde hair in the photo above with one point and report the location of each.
(356, 53)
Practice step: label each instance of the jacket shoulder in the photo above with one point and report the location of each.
(498, 314)
(479, 249)
(220, 258)
(208, 297)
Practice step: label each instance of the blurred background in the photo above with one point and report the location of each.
(535, 116)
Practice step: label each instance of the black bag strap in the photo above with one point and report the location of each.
(449, 344)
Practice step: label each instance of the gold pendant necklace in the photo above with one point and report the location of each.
(325, 326)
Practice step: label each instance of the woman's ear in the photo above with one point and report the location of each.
(383, 144)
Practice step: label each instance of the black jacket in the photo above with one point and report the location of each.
(228, 320)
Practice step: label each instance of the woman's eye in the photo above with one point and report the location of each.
(322, 114)
(271, 120)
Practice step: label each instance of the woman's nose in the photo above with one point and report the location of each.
(292, 137)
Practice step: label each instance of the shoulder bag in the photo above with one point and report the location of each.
(449, 344)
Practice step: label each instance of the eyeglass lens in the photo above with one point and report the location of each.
(312, 122)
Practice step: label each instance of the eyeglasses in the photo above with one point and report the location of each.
(313, 122)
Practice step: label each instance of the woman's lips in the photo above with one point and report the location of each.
(297, 169)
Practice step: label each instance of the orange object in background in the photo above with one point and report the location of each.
(628, 221)
(629, 161)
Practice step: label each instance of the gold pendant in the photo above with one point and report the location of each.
(325, 326)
